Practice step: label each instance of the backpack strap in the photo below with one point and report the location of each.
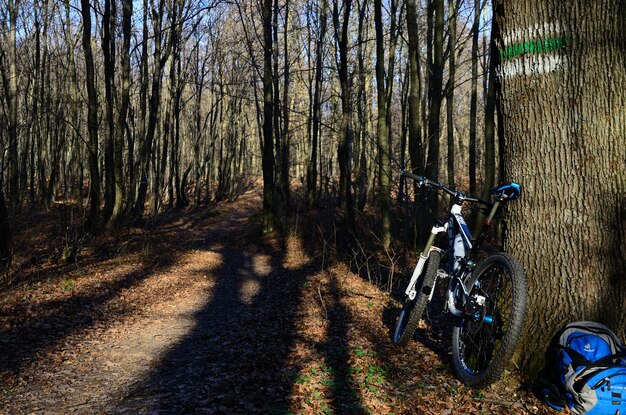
(610, 359)
(551, 393)
(577, 358)
(590, 370)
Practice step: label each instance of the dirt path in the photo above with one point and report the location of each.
(210, 318)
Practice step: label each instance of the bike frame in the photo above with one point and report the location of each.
(458, 266)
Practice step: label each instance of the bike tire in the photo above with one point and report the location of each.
(481, 350)
(412, 310)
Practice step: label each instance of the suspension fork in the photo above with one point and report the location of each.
(419, 268)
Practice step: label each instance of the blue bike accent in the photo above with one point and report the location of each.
(486, 319)
(467, 232)
(511, 190)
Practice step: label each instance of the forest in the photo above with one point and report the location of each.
(214, 189)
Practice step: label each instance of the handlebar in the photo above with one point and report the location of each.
(459, 196)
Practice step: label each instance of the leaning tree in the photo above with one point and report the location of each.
(563, 86)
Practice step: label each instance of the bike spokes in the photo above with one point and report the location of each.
(482, 335)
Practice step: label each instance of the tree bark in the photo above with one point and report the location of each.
(563, 88)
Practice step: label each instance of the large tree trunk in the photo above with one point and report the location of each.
(563, 89)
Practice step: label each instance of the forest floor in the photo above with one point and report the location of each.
(197, 313)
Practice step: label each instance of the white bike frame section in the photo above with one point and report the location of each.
(410, 290)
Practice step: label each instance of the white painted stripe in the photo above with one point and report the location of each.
(537, 31)
(529, 65)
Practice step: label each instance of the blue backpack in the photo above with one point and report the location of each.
(588, 371)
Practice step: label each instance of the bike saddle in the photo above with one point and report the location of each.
(510, 190)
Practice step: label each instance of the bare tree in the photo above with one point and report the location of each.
(319, 59)
(92, 121)
(474, 98)
(268, 117)
(344, 152)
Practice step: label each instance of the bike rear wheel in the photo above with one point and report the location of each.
(483, 341)
(412, 310)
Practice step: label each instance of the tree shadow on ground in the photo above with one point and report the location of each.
(335, 350)
(55, 320)
(238, 357)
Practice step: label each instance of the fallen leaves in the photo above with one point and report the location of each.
(209, 324)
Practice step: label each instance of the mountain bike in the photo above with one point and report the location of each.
(486, 299)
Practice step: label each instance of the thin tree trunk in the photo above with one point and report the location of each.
(434, 85)
(93, 221)
(6, 239)
(490, 106)
(474, 99)
(279, 195)
(11, 96)
(268, 118)
(311, 179)
(384, 163)
(452, 10)
(108, 49)
(136, 173)
(160, 57)
(286, 142)
(127, 13)
(363, 132)
(416, 151)
(344, 151)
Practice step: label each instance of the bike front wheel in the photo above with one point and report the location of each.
(484, 339)
(412, 310)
